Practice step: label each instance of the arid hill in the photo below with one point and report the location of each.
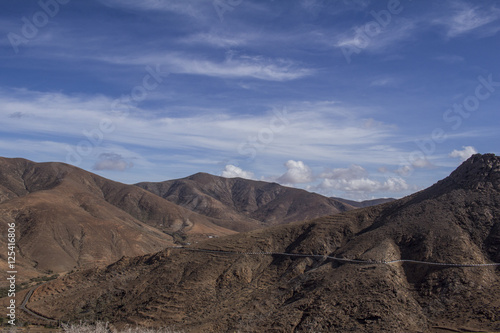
(365, 203)
(241, 204)
(455, 221)
(68, 218)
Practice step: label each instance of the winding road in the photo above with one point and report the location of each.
(31, 313)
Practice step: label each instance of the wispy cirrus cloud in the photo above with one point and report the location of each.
(233, 66)
(353, 172)
(465, 18)
(243, 66)
(190, 8)
(220, 40)
(327, 128)
(468, 18)
(398, 31)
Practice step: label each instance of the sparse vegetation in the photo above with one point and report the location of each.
(45, 278)
(101, 327)
(4, 292)
(179, 238)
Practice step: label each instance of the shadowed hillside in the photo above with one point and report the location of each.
(242, 204)
(68, 218)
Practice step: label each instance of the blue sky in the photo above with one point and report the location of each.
(351, 98)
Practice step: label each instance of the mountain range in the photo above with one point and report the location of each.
(424, 263)
(67, 218)
(241, 204)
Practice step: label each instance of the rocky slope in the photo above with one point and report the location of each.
(242, 204)
(68, 218)
(454, 221)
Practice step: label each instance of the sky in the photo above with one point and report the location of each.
(357, 99)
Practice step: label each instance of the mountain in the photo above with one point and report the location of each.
(365, 203)
(241, 204)
(236, 283)
(68, 218)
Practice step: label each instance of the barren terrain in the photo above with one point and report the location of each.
(456, 221)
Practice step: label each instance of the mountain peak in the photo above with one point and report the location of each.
(477, 172)
(203, 177)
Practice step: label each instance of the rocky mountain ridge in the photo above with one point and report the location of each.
(253, 204)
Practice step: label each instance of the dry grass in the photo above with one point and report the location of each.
(101, 327)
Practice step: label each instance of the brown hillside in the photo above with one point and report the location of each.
(454, 221)
(252, 204)
(68, 218)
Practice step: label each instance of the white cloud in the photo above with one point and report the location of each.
(383, 169)
(232, 171)
(112, 161)
(297, 173)
(355, 179)
(465, 153)
(392, 184)
(404, 170)
(422, 163)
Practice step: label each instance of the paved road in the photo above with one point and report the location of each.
(28, 311)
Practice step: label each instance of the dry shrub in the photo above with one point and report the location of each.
(101, 327)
